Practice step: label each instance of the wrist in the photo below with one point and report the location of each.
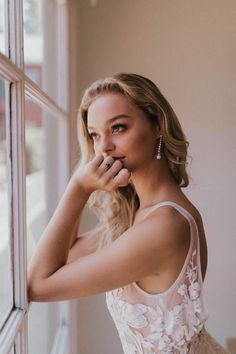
(77, 183)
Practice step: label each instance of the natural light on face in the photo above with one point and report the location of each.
(120, 129)
(108, 123)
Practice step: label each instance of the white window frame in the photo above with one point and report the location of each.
(14, 331)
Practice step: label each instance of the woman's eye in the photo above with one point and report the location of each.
(118, 127)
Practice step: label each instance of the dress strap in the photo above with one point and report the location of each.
(174, 204)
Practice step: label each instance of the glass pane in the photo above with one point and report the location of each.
(2, 26)
(41, 44)
(43, 316)
(35, 172)
(6, 288)
(33, 39)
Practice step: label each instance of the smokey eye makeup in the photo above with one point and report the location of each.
(117, 126)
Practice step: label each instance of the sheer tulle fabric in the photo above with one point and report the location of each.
(170, 322)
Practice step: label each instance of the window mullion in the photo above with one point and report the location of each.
(15, 32)
(62, 93)
(17, 134)
(18, 194)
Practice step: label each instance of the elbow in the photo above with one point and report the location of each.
(32, 294)
(35, 292)
(33, 287)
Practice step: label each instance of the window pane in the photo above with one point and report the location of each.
(33, 39)
(38, 164)
(6, 292)
(41, 38)
(2, 26)
(35, 173)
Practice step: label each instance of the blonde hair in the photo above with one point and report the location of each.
(116, 209)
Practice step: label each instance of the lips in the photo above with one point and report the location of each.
(117, 157)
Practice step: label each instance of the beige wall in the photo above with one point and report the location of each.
(188, 49)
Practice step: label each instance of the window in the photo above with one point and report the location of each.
(33, 134)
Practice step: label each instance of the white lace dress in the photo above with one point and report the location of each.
(169, 322)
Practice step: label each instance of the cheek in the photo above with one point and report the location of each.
(140, 150)
(141, 142)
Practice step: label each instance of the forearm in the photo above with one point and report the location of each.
(53, 248)
(75, 232)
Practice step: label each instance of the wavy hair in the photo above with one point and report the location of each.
(115, 210)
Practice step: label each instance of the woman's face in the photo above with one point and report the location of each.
(120, 129)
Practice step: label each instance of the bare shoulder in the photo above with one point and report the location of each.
(169, 214)
(165, 227)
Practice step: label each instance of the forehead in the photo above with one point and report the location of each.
(108, 106)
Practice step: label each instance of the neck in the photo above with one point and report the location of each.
(154, 183)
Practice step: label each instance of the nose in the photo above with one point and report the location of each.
(105, 145)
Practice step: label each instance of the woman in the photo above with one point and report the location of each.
(148, 252)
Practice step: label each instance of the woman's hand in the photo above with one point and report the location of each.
(103, 173)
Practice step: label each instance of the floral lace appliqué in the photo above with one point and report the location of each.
(157, 329)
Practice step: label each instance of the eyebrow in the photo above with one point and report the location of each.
(114, 118)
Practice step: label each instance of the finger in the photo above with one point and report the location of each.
(113, 170)
(122, 178)
(105, 165)
(97, 161)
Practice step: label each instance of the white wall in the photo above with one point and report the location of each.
(188, 49)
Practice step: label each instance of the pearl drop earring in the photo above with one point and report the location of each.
(159, 149)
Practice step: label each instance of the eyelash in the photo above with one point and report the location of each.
(93, 135)
(119, 125)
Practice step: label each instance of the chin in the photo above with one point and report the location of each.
(131, 169)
